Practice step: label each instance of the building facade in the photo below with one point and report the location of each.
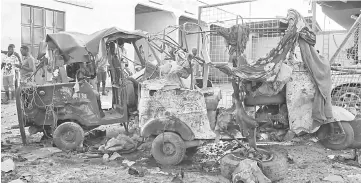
(26, 22)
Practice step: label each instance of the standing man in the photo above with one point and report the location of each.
(9, 53)
(123, 56)
(114, 62)
(27, 68)
(102, 67)
(8, 68)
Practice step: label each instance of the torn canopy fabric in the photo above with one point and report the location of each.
(234, 37)
(267, 67)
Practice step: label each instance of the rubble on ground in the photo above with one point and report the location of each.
(351, 159)
(249, 172)
(121, 143)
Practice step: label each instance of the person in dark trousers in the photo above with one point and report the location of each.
(102, 67)
(115, 67)
(9, 53)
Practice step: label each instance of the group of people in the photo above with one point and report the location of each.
(15, 69)
(116, 59)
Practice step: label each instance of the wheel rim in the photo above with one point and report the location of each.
(68, 136)
(349, 98)
(168, 148)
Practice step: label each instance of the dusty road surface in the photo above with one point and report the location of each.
(309, 162)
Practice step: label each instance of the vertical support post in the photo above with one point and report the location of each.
(199, 38)
(314, 16)
(138, 53)
(349, 33)
(154, 53)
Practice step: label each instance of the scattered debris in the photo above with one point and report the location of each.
(41, 153)
(214, 151)
(249, 172)
(114, 156)
(106, 157)
(145, 146)
(90, 155)
(333, 178)
(290, 159)
(121, 143)
(353, 159)
(355, 178)
(17, 181)
(128, 163)
(7, 166)
(178, 178)
(27, 177)
(289, 136)
(157, 171)
(314, 139)
(136, 171)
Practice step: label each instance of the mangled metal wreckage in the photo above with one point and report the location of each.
(180, 111)
(264, 84)
(166, 107)
(68, 103)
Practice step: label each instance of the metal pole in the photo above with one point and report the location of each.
(199, 37)
(352, 29)
(314, 16)
(227, 3)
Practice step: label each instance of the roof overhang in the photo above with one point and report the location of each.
(341, 11)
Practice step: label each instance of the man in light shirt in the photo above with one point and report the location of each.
(123, 58)
(8, 69)
(11, 51)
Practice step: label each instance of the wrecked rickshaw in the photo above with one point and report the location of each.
(179, 115)
(65, 108)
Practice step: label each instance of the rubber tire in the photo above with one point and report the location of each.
(325, 130)
(356, 126)
(277, 168)
(64, 127)
(157, 148)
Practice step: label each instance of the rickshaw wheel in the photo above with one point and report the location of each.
(68, 136)
(340, 141)
(168, 148)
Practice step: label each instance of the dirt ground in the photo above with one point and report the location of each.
(310, 162)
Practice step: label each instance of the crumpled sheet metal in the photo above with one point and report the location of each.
(249, 172)
(159, 84)
(187, 105)
(275, 84)
(299, 95)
